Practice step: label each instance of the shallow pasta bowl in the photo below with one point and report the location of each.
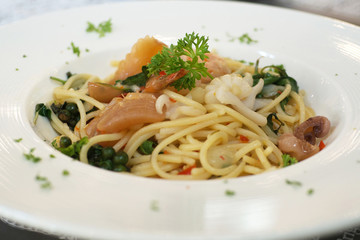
(322, 54)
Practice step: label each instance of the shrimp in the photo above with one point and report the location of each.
(216, 66)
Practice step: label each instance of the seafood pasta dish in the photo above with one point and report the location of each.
(183, 112)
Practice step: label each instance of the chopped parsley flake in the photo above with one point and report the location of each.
(52, 156)
(245, 38)
(101, 29)
(288, 160)
(75, 49)
(24, 56)
(293, 183)
(16, 69)
(310, 191)
(44, 182)
(229, 193)
(18, 140)
(65, 173)
(154, 206)
(31, 157)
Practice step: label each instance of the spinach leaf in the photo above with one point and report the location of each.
(270, 122)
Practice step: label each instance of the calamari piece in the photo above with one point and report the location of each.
(234, 90)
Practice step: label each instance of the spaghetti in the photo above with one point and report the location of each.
(227, 127)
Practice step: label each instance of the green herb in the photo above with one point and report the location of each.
(101, 29)
(154, 206)
(138, 79)
(245, 38)
(293, 183)
(288, 160)
(229, 193)
(65, 173)
(75, 49)
(147, 147)
(170, 61)
(270, 122)
(310, 191)
(52, 156)
(58, 80)
(278, 77)
(44, 182)
(24, 56)
(16, 69)
(31, 157)
(18, 140)
(42, 110)
(284, 102)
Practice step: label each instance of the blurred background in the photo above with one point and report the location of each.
(14, 10)
(345, 10)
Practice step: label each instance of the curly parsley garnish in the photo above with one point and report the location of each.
(101, 29)
(44, 182)
(31, 157)
(169, 60)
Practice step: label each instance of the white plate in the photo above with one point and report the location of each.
(321, 53)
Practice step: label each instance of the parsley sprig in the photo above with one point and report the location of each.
(169, 60)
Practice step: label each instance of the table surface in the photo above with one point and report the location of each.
(14, 10)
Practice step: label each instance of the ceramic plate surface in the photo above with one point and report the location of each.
(321, 53)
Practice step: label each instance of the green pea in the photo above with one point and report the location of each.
(120, 158)
(120, 168)
(108, 153)
(56, 108)
(72, 123)
(72, 108)
(65, 142)
(64, 115)
(107, 164)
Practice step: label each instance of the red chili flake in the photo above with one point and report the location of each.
(172, 100)
(222, 157)
(166, 152)
(244, 139)
(279, 92)
(186, 171)
(321, 145)
(162, 73)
